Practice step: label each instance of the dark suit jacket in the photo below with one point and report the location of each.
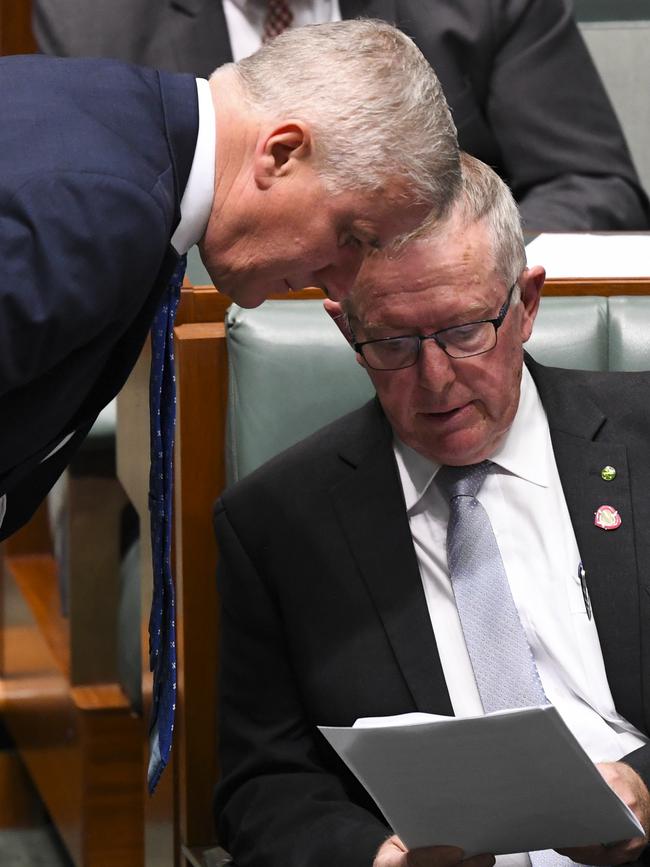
(522, 88)
(94, 157)
(324, 617)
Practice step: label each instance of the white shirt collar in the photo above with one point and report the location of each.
(415, 471)
(196, 203)
(522, 452)
(524, 447)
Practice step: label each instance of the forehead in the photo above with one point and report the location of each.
(379, 216)
(430, 279)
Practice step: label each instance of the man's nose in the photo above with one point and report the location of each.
(435, 368)
(338, 278)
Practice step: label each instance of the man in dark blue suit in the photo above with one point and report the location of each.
(108, 173)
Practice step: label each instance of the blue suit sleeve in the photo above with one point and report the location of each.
(79, 254)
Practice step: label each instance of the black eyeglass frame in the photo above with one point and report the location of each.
(497, 322)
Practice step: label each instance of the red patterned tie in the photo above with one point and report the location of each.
(278, 17)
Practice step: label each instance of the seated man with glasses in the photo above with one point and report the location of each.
(438, 550)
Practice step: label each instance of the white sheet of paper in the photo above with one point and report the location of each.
(586, 255)
(511, 781)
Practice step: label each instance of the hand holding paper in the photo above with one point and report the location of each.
(393, 853)
(631, 789)
(520, 774)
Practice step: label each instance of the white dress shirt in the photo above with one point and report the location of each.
(245, 20)
(196, 202)
(525, 503)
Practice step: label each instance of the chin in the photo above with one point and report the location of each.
(460, 454)
(248, 297)
(248, 303)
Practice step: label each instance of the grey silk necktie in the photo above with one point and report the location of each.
(503, 663)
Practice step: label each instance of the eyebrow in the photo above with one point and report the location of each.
(479, 315)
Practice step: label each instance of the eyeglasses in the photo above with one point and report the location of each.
(459, 341)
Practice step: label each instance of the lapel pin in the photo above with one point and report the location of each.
(607, 518)
(608, 474)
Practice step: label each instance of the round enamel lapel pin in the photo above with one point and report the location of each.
(607, 518)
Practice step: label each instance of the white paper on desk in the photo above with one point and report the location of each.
(511, 781)
(585, 255)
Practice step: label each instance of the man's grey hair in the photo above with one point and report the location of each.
(484, 196)
(373, 102)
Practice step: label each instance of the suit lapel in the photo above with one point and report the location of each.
(370, 506)
(582, 448)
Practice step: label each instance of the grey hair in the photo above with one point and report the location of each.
(373, 102)
(484, 196)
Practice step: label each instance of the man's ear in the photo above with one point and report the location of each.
(335, 311)
(531, 283)
(278, 150)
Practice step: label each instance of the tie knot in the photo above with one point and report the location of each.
(462, 481)
(278, 17)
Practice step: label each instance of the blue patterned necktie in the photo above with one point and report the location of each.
(503, 662)
(162, 627)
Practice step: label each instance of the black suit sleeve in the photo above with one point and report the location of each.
(561, 146)
(280, 802)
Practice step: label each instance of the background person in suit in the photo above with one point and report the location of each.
(109, 172)
(524, 93)
(336, 592)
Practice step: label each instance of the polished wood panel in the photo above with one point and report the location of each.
(81, 747)
(20, 806)
(199, 477)
(37, 581)
(201, 304)
(16, 35)
(601, 286)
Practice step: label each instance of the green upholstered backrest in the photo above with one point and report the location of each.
(629, 332)
(571, 332)
(291, 372)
